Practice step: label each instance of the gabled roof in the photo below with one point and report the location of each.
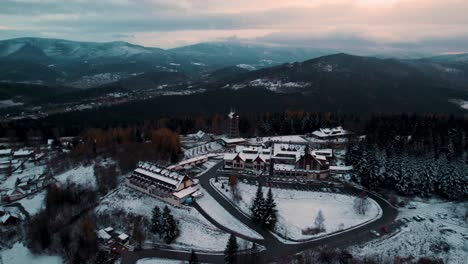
(328, 132)
(159, 173)
(5, 151)
(200, 134)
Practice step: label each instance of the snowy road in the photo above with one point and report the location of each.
(275, 247)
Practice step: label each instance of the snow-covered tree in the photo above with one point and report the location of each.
(320, 221)
(258, 205)
(361, 203)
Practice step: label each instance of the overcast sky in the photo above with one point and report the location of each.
(437, 26)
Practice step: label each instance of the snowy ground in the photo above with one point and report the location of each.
(206, 166)
(34, 203)
(30, 169)
(80, 175)
(297, 209)
(196, 231)
(161, 261)
(19, 254)
(215, 210)
(425, 238)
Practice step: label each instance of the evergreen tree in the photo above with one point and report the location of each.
(155, 224)
(169, 228)
(231, 250)
(257, 207)
(269, 217)
(193, 258)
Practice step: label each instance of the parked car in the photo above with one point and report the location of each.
(245, 181)
(385, 229)
(375, 233)
(442, 216)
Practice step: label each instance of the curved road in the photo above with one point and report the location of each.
(275, 248)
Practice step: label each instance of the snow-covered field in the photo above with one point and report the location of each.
(196, 231)
(425, 238)
(19, 254)
(81, 175)
(158, 261)
(297, 209)
(33, 204)
(30, 169)
(215, 210)
(9, 103)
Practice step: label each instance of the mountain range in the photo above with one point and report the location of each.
(88, 64)
(331, 80)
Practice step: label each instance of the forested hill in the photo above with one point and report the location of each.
(414, 155)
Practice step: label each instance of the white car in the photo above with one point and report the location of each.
(375, 233)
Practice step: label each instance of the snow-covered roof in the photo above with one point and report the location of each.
(5, 218)
(232, 140)
(250, 153)
(5, 151)
(185, 192)
(341, 168)
(323, 152)
(123, 236)
(283, 150)
(232, 114)
(200, 134)
(330, 132)
(290, 138)
(159, 173)
(103, 234)
(109, 229)
(192, 160)
(22, 152)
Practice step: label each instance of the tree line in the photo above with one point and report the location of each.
(413, 155)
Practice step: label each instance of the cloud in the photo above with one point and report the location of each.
(370, 24)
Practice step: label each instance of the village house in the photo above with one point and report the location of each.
(337, 135)
(10, 215)
(231, 142)
(5, 153)
(281, 159)
(201, 136)
(166, 184)
(256, 158)
(23, 154)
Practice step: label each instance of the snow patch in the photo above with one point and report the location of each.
(246, 67)
(80, 175)
(33, 204)
(19, 254)
(215, 210)
(298, 209)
